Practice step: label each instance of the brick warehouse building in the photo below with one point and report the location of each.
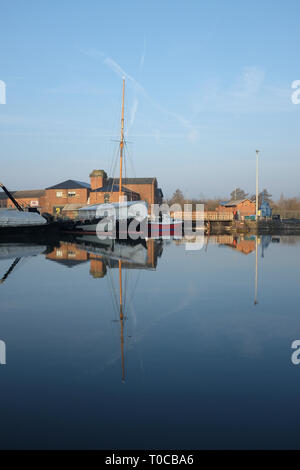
(31, 198)
(69, 192)
(243, 207)
(64, 199)
(67, 197)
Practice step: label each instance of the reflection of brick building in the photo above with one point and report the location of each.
(97, 267)
(68, 254)
(243, 245)
(71, 254)
(243, 207)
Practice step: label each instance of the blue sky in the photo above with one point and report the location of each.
(207, 83)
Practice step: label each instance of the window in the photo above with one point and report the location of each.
(59, 193)
(71, 193)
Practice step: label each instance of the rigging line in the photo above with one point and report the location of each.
(115, 158)
(113, 290)
(132, 325)
(135, 286)
(125, 288)
(114, 169)
(125, 163)
(115, 295)
(130, 160)
(130, 281)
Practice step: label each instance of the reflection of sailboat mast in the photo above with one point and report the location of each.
(120, 262)
(256, 273)
(122, 321)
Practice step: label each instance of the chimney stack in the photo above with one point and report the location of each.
(98, 179)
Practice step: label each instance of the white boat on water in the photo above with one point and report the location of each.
(18, 221)
(102, 218)
(15, 218)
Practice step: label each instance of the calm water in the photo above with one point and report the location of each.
(202, 365)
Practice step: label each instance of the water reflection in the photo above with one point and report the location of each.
(104, 256)
(17, 251)
(101, 256)
(80, 316)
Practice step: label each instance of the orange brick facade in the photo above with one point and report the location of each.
(101, 198)
(64, 199)
(57, 199)
(71, 253)
(34, 198)
(243, 208)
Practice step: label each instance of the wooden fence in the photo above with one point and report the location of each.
(208, 216)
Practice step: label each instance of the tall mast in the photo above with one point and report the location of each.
(121, 143)
(256, 202)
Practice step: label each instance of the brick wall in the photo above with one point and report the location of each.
(56, 199)
(68, 251)
(245, 208)
(38, 202)
(99, 197)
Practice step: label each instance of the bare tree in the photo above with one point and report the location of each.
(238, 193)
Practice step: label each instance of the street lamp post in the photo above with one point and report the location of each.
(256, 206)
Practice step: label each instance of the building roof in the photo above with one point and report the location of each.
(112, 188)
(70, 184)
(24, 193)
(132, 180)
(234, 202)
(28, 194)
(72, 207)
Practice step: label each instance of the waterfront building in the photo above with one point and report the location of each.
(241, 208)
(34, 198)
(65, 198)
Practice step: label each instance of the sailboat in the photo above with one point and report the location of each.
(120, 215)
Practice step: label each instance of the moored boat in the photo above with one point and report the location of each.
(21, 223)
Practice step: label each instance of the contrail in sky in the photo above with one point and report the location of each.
(135, 99)
(118, 70)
